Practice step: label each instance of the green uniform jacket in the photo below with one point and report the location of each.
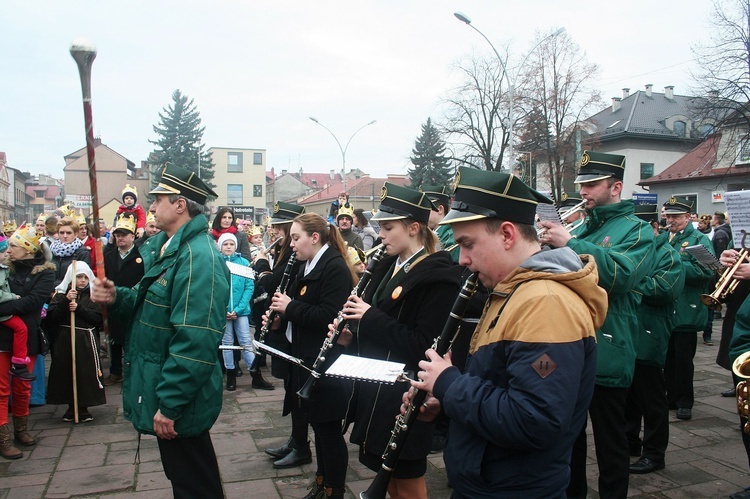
(740, 342)
(659, 290)
(445, 234)
(690, 314)
(177, 316)
(623, 247)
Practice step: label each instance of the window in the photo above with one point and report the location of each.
(743, 150)
(234, 162)
(647, 170)
(234, 194)
(257, 158)
(706, 130)
(258, 191)
(680, 128)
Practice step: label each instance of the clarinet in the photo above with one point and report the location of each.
(405, 422)
(317, 369)
(281, 289)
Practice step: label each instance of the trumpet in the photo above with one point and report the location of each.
(727, 283)
(317, 369)
(579, 208)
(741, 369)
(570, 227)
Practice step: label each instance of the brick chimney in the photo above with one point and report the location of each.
(669, 92)
(649, 87)
(625, 93)
(615, 104)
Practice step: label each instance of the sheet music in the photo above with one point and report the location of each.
(364, 369)
(548, 212)
(278, 353)
(237, 269)
(704, 257)
(738, 207)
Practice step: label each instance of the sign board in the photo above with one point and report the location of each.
(641, 198)
(78, 200)
(717, 197)
(244, 212)
(738, 207)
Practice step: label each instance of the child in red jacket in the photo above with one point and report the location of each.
(130, 206)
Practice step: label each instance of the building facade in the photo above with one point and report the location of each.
(240, 180)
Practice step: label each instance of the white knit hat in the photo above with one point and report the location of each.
(225, 236)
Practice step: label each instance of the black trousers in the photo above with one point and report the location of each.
(679, 369)
(647, 401)
(190, 464)
(331, 453)
(607, 413)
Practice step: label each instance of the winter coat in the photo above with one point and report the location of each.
(351, 238)
(722, 239)
(316, 300)
(126, 272)
(690, 313)
(177, 317)
(623, 247)
(400, 327)
(242, 288)
(243, 244)
(368, 236)
(741, 338)
(61, 263)
(659, 290)
(33, 281)
(523, 400)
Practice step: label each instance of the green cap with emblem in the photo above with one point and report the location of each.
(647, 212)
(437, 193)
(599, 165)
(570, 199)
(179, 181)
(678, 205)
(285, 212)
(485, 194)
(397, 202)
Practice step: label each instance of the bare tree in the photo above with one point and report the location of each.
(476, 117)
(557, 87)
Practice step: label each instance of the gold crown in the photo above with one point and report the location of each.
(67, 211)
(257, 231)
(80, 218)
(125, 222)
(27, 237)
(9, 226)
(150, 218)
(346, 211)
(129, 189)
(42, 217)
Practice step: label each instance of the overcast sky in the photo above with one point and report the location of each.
(258, 70)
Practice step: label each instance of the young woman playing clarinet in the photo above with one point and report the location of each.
(403, 309)
(312, 300)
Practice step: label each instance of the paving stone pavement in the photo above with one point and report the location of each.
(705, 458)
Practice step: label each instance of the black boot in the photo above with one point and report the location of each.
(299, 455)
(231, 380)
(279, 452)
(20, 371)
(317, 491)
(333, 493)
(259, 382)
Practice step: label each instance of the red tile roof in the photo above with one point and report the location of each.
(357, 188)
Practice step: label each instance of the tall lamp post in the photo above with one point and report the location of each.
(511, 82)
(342, 149)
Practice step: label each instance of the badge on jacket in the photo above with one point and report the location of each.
(396, 292)
(544, 366)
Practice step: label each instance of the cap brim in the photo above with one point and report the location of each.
(384, 216)
(278, 221)
(122, 230)
(675, 212)
(163, 190)
(455, 216)
(582, 179)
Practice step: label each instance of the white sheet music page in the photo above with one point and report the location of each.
(364, 369)
(738, 207)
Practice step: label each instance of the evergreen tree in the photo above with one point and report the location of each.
(431, 166)
(179, 140)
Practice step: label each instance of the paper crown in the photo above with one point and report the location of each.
(150, 218)
(125, 222)
(131, 191)
(256, 231)
(346, 211)
(66, 211)
(26, 237)
(80, 218)
(42, 217)
(9, 226)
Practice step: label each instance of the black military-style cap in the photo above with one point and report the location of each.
(647, 212)
(176, 180)
(570, 199)
(678, 206)
(397, 202)
(485, 194)
(284, 213)
(599, 165)
(439, 193)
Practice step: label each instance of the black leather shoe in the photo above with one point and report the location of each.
(645, 465)
(684, 413)
(279, 452)
(295, 458)
(729, 393)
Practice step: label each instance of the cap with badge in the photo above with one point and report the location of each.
(570, 199)
(285, 212)
(678, 206)
(437, 193)
(397, 203)
(647, 212)
(346, 211)
(176, 180)
(485, 194)
(124, 223)
(599, 165)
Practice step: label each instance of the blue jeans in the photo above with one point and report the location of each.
(240, 327)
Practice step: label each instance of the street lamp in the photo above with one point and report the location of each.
(511, 82)
(342, 149)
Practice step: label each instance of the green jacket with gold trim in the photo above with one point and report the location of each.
(177, 316)
(445, 234)
(623, 247)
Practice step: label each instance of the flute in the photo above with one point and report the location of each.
(405, 422)
(317, 369)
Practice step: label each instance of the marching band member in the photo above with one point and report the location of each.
(406, 302)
